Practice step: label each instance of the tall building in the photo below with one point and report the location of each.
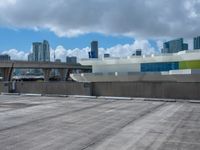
(37, 51)
(174, 46)
(30, 57)
(94, 50)
(46, 51)
(106, 55)
(58, 60)
(138, 52)
(197, 42)
(41, 52)
(4, 57)
(71, 60)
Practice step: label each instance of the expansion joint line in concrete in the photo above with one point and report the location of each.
(116, 130)
(55, 116)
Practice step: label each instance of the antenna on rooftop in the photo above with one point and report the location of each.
(54, 55)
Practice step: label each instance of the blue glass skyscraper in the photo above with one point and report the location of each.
(197, 42)
(41, 51)
(94, 50)
(174, 46)
(4, 57)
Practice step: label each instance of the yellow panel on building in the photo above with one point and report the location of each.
(189, 64)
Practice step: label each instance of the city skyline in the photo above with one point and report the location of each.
(49, 54)
(117, 31)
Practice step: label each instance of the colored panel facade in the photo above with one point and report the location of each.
(189, 64)
(116, 68)
(167, 66)
(158, 67)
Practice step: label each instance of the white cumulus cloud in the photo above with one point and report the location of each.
(115, 51)
(136, 18)
(16, 54)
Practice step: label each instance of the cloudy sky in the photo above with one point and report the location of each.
(120, 26)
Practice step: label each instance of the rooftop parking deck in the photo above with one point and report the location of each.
(69, 123)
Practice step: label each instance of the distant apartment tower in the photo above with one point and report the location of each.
(71, 60)
(58, 60)
(94, 50)
(106, 55)
(138, 52)
(174, 46)
(46, 51)
(197, 42)
(40, 52)
(30, 57)
(4, 57)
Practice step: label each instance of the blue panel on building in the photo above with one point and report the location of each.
(157, 67)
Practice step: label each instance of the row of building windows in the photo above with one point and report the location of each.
(158, 67)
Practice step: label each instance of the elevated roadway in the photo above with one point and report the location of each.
(8, 66)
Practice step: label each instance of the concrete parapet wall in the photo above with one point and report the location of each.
(175, 90)
(1, 86)
(159, 89)
(64, 88)
(5, 87)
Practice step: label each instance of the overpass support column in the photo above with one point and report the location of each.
(6, 73)
(46, 72)
(69, 71)
(62, 74)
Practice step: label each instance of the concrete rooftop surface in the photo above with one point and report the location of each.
(68, 123)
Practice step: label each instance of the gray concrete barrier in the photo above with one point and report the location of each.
(63, 88)
(169, 90)
(175, 90)
(1, 86)
(5, 87)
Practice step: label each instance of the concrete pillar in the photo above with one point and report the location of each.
(62, 73)
(69, 71)
(46, 72)
(6, 73)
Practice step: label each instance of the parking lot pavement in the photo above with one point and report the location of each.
(71, 123)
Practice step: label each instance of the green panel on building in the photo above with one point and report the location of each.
(189, 64)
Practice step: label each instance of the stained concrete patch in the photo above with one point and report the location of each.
(16, 105)
(50, 123)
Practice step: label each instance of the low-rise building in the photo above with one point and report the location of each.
(71, 60)
(4, 57)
